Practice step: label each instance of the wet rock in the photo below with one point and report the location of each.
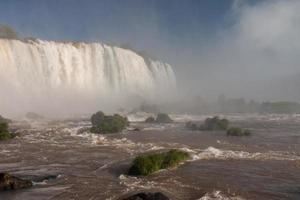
(235, 131)
(214, 124)
(45, 178)
(160, 118)
(9, 182)
(163, 118)
(147, 196)
(104, 124)
(150, 120)
(191, 126)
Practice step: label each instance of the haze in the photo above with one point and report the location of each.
(238, 48)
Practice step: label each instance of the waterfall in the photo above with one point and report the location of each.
(54, 76)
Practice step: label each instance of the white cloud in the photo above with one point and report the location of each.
(262, 46)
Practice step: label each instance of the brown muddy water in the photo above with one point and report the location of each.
(86, 166)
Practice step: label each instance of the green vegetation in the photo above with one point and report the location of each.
(2, 119)
(7, 32)
(214, 124)
(235, 131)
(4, 133)
(97, 118)
(148, 164)
(107, 123)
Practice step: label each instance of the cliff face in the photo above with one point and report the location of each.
(39, 71)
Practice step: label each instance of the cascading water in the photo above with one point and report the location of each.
(49, 76)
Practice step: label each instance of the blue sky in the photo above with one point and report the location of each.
(145, 24)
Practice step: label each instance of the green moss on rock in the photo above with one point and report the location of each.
(214, 124)
(97, 118)
(9, 182)
(235, 131)
(147, 164)
(107, 123)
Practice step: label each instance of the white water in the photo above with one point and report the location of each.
(50, 77)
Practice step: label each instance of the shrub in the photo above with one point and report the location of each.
(215, 123)
(2, 119)
(4, 133)
(163, 118)
(107, 123)
(235, 131)
(147, 164)
(7, 32)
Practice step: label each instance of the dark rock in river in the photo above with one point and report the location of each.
(235, 131)
(9, 182)
(160, 118)
(163, 118)
(108, 123)
(214, 124)
(147, 196)
(150, 120)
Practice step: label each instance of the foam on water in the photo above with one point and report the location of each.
(218, 195)
(220, 154)
(119, 143)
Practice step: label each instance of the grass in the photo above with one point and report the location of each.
(147, 164)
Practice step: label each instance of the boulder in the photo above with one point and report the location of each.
(163, 118)
(235, 131)
(97, 118)
(191, 126)
(9, 182)
(214, 124)
(147, 196)
(108, 123)
(150, 120)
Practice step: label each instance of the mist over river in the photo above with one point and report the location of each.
(93, 166)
